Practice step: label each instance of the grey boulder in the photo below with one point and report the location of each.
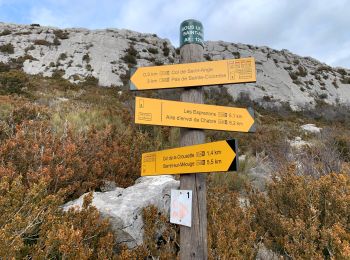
(124, 207)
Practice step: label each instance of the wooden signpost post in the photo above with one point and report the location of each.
(193, 158)
(193, 240)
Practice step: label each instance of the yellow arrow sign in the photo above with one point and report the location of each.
(194, 74)
(173, 113)
(218, 156)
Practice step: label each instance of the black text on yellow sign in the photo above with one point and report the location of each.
(182, 114)
(220, 156)
(194, 74)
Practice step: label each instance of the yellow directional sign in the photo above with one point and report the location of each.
(218, 156)
(173, 113)
(194, 74)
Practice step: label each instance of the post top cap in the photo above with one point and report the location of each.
(191, 31)
(190, 20)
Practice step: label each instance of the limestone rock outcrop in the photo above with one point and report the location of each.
(108, 55)
(124, 207)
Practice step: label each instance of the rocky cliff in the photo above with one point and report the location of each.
(107, 55)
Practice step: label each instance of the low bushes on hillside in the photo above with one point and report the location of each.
(13, 82)
(7, 48)
(301, 217)
(34, 226)
(42, 42)
(5, 32)
(74, 163)
(84, 135)
(63, 35)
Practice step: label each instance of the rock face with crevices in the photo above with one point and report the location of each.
(124, 207)
(108, 55)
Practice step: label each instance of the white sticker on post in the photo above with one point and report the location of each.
(181, 207)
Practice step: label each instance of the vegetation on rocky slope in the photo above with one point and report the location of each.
(59, 140)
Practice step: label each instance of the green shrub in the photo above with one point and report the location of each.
(345, 80)
(335, 84)
(125, 78)
(207, 57)
(86, 58)
(323, 96)
(23, 33)
(293, 75)
(56, 41)
(4, 67)
(5, 32)
(166, 49)
(91, 81)
(323, 68)
(12, 82)
(57, 74)
(236, 54)
(341, 71)
(130, 59)
(60, 34)
(29, 48)
(88, 67)
(153, 50)
(63, 56)
(297, 82)
(7, 48)
(267, 98)
(42, 42)
(132, 51)
(296, 62)
(143, 40)
(18, 62)
(158, 63)
(302, 72)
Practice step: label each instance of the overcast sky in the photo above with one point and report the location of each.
(316, 28)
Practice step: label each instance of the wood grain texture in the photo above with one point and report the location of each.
(193, 240)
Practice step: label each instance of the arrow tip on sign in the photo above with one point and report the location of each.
(233, 143)
(131, 84)
(251, 113)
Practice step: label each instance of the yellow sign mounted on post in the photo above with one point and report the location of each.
(194, 74)
(151, 111)
(218, 156)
